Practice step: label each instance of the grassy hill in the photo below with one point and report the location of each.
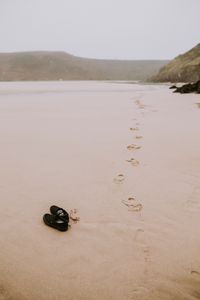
(184, 68)
(43, 65)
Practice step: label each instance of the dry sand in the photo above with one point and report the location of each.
(66, 143)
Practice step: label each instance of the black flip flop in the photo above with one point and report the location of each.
(60, 213)
(55, 222)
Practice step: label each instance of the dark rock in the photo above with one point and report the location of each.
(189, 88)
(198, 87)
(173, 87)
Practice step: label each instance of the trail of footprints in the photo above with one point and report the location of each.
(131, 202)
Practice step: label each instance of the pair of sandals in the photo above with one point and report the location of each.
(59, 218)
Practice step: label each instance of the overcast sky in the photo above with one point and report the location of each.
(119, 29)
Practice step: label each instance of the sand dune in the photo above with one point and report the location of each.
(68, 143)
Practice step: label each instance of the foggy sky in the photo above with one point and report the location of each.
(118, 29)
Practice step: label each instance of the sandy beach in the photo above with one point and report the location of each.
(127, 157)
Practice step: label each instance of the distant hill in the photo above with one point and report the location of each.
(43, 65)
(184, 68)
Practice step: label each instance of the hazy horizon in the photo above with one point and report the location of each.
(126, 30)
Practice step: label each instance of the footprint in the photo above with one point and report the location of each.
(193, 272)
(119, 178)
(132, 204)
(134, 128)
(139, 137)
(133, 147)
(140, 104)
(134, 162)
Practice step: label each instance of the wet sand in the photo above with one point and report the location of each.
(127, 157)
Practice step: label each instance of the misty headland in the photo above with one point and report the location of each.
(46, 65)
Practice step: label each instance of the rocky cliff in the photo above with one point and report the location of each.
(184, 68)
